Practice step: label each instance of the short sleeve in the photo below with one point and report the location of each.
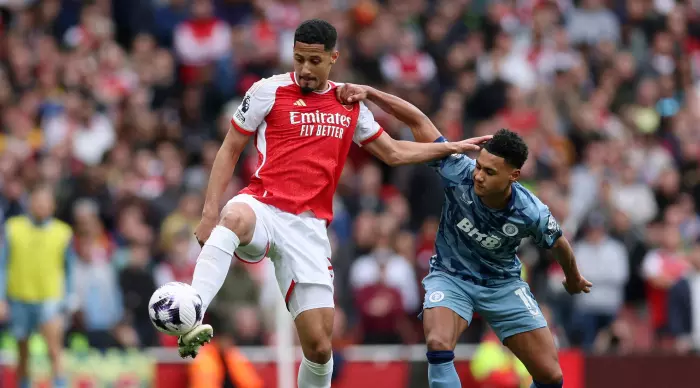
(546, 231)
(455, 169)
(255, 106)
(367, 130)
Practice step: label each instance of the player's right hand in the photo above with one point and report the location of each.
(203, 230)
(472, 144)
(350, 93)
(577, 285)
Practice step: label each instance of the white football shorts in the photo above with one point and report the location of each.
(299, 248)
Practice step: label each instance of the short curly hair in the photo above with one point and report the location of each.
(317, 31)
(509, 146)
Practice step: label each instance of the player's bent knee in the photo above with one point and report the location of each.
(239, 218)
(553, 378)
(549, 374)
(319, 350)
(437, 341)
(556, 375)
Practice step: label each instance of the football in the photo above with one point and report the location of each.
(175, 308)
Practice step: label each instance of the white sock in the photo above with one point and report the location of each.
(313, 375)
(213, 264)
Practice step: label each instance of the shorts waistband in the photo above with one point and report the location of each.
(473, 279)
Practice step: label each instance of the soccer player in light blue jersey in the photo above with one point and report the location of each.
(485, 216)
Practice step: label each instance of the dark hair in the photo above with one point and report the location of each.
(509, 146)
(317, 31)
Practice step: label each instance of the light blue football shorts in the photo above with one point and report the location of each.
(507, 305)
(27, 318)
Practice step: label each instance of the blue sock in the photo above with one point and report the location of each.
(24, 383)
(535, 384)
(441, 370)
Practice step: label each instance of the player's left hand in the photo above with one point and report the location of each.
(577, 285)
(204, 229)
(472, 144)
(350, 93)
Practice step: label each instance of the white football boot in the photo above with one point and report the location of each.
(188, 345)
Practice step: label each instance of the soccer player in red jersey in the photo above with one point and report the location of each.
(303, 135)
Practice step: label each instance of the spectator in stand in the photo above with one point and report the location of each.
(661, 269)
(506, 63)
(368, 197)
(100, 309)
(201, 41)
(618, 338)
(90, 230)
(633, 197)
(384, 265)
(382, 318)
(178, 265)
(593, 13)
(518, 116)
(408, 66)
(684, 306)
(137, 284)
(633, 239)
(184, 217)
(246, 324)
(241, 288)
(167, 15)
(602, 260)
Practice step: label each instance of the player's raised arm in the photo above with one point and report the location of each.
(454, 170)
(422, 128)
(424, 131)
(396, 152)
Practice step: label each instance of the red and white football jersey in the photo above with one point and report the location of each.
(303, 142)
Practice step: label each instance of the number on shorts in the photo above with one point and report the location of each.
(527, 301)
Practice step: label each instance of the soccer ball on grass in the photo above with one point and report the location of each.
(175, 308)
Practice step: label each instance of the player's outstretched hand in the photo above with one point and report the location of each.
(472, 144)
(203, 230)
(577, 285)
(350, 93)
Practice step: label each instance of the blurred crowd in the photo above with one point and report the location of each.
(120, 106)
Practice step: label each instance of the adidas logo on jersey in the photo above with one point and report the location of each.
(299, 102)
(486, 241)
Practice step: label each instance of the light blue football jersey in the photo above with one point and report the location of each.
(479, 243)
